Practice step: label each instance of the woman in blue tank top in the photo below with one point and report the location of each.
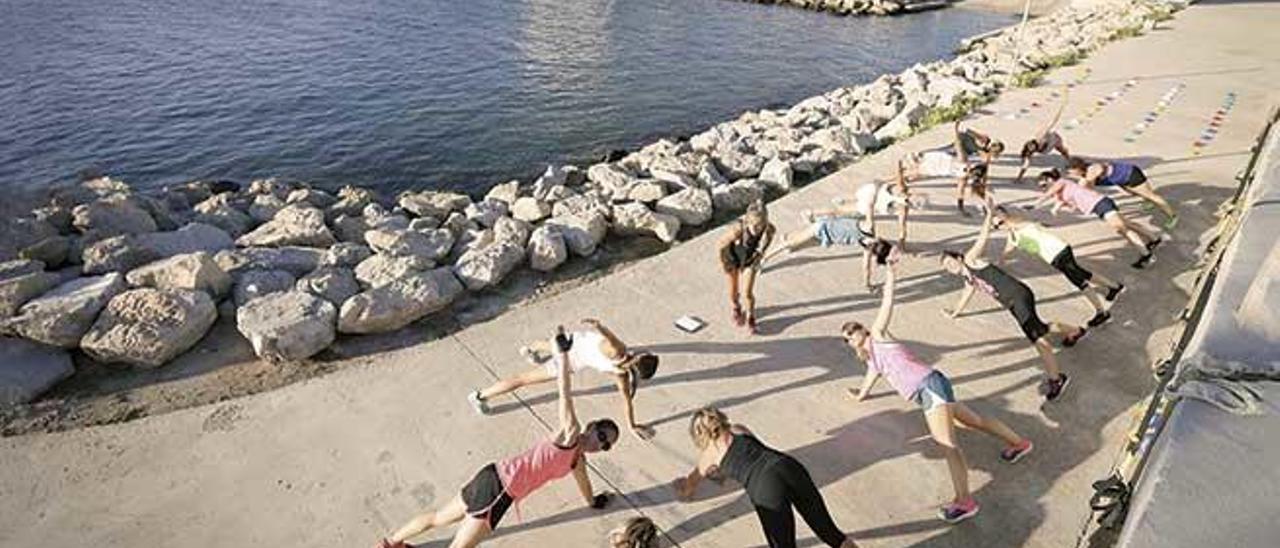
(1125, 176)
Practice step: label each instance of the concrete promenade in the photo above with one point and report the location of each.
(343, 459)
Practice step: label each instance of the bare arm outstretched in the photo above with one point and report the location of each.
(570, 428)
(880, 328)
(979, 244)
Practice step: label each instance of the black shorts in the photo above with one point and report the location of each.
(1023, 308)
(1104, 206)
(485, 496)
(1066, 263)
(1136, 177)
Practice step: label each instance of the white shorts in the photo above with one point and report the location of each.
(936, 163)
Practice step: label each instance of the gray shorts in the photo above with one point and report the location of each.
(841, 231)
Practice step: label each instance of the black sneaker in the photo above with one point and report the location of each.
(1153, 244)
(1100, 318)
(1144, 261)
(1114, 292)
(1052, 389)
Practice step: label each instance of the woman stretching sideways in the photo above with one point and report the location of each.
(774, 480)
(931, 390)
(595, 348)
(1017, 298)
(1125, 176)
(498, 486)
(1038, 241)
(1072, 195)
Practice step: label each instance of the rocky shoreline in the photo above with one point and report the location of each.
(137, 278)
(861, 7)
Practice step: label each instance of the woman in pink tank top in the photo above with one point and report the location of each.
(917, 382)
(498, 486)
(1070, 194)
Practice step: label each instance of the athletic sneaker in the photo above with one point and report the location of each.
(1153, 244)
(1114, 292)
(1144, 261)
(1051, 389)
(957, 512)
(1170, 223)
(1071, 340)
(1014, 453)
(478, 403)
(1098, 319)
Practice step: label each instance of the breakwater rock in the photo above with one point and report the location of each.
(136, 277)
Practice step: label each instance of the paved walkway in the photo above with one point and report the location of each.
(340, 460)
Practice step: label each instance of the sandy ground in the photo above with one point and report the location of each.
(340, 459)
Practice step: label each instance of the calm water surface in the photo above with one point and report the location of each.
(401, 93)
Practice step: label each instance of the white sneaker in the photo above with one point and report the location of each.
(478, 403)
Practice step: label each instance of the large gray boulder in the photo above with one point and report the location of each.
(432, 244)
(582, 233)
(255, 284)
(61, 316)
(777, 174)
(513, 231)
(615, 180)
(506, 193)
(292, 226)
(380, 270)
(546, 249)
(738, 165)
(581, 204)
(351, 201)
(350, 228)
(288, 326)
(52, 251)
(311, 197)
(112, 217)
(294, 260)
(28, 369)
(346, 254)
(399, 303)
(265, 207)
(635, 219)
(16, 291)
(487, 212)
(648, 191)
(486, 266)
(194, 271)
(218, 212)
(433, 203)
(692, 206)
(124, 253)
(902, 125)
(19, 267)
(530, 209)
(710, 177)
(148, 327)
(331, 283)
(737, 196)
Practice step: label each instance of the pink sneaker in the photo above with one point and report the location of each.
(1014, 453)
(957, 512)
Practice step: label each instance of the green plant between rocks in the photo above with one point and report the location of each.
(1028, 79)
(959, 108)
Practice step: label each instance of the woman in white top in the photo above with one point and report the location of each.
(595, 348)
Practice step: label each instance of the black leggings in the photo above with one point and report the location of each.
(775, 490)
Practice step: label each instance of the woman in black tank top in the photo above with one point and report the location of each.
(1014, 296)
(740, 252)
(775, 482)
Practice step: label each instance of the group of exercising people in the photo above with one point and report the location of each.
(776, 483)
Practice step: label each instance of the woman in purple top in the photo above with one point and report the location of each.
(1125, 176)
(928, 387)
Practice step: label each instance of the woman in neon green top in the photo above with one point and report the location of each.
(1036, 240)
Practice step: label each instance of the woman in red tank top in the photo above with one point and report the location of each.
(496, 487)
